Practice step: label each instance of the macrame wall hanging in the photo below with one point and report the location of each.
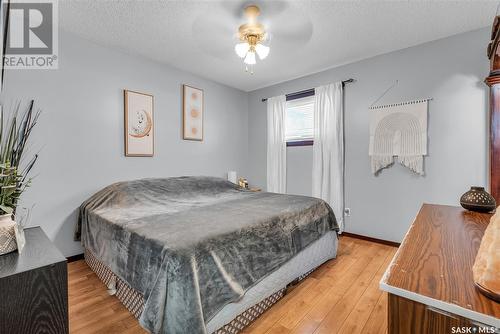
(399, 131)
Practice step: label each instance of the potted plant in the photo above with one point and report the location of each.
(14, 169)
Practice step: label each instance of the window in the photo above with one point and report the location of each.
(299, 121)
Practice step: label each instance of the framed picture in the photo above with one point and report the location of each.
(139, 124)
(192, 110)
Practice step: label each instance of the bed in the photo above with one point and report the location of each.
(199, 254)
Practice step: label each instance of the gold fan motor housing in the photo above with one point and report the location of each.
(252, 32)
(252, 11)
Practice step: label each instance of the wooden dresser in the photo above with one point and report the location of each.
(429, 281)
(34, 288)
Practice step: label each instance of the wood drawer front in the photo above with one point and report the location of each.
(409, 317)
(35, 302)
(439, 321)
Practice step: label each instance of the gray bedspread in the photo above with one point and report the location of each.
(192, 245)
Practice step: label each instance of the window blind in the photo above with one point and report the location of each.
(299, 119)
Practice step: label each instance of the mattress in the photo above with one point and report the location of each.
(311, 257)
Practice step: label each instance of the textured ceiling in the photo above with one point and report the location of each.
(306, 36)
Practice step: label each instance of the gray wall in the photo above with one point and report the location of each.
(80, 134)
(451, 71)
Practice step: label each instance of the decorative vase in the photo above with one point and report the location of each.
(477, 199)
(7, 234)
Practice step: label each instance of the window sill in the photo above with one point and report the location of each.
(300, 143)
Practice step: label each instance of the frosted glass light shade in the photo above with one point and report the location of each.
(262, 50)
(241, 49)
(250, 58)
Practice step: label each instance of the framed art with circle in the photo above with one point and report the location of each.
(139, 124)
(192, 113)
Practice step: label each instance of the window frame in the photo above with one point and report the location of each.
(295, 96)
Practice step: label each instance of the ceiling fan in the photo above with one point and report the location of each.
(224, 24)
(252, 35)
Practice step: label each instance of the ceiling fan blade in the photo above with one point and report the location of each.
(296, 31)
(290, 29)
(215, 35)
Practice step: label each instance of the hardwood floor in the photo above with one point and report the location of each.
(341, 296)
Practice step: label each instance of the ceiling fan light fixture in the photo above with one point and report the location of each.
(262, 51)
(250, 58)
(241, 49)
(251, 35)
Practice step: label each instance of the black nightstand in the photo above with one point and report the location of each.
(34, 288)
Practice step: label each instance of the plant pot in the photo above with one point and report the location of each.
(7, 234)
(477, 199)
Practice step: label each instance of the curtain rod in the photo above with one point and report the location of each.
(310, 91)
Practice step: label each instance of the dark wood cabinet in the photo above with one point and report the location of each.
(493, 80)
(494, 83)
(34, 288)
(429, 281)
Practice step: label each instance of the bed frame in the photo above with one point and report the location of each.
(134, 300)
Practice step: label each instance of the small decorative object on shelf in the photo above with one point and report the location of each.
(477, 199)
(14, 171)
(243, 183)
(7, 234)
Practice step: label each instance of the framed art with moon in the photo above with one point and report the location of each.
(139, 124)
(192, 110)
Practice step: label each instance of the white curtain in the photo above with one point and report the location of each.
(328, 148)
(276, 144)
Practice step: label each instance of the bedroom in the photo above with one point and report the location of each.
(128, 178)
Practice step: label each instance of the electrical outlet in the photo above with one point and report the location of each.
(347, 212)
